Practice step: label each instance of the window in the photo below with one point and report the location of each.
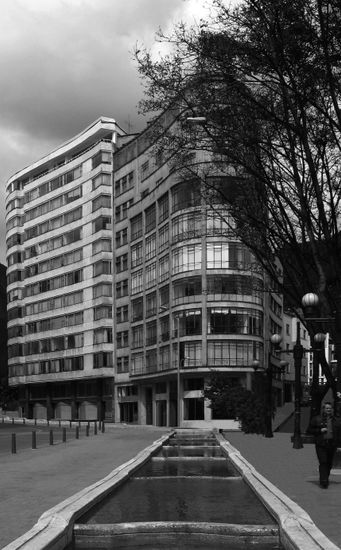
(164, 268)
(164, 296)
(102, 359)
(151, 275)
(122, 364)
(68, 197)
(136, 254)
(121, 263)
(102, 267)
(136, 227)
(186, 226)
(103, 222)
(151, 333)
(101, 179)
(137, 281)
(233, 353)
(137, 337)
(102, 157)
(101, 245)
(150, 246)
(122, 339)
(144, 169)
(102, 312)
(164, 237)
(151, 304)
(103, 201)
(150, 217)
(104, 289)
(103, 336)
(122, 288)
(121, 237)
(122, 314)
(186, 258)
(137, 309)
(163, 205)
(186, 195)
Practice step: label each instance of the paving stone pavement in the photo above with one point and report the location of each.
(35, 480)
(295, 473)
(32, 481)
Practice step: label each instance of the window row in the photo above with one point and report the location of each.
(53, 184)
(55, 303)
(54, 263)
(67, 279)
(55, 242)
(55, 323)
(53, 204)
(65, 364)
(54, 223)
(58, 343)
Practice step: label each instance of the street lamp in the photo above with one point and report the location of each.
(275, 339)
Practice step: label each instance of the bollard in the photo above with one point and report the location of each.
(35, 421)
(23, 420)
(48, 423)
(95, 428)
(77, 432)
(103, 427)
(14, 444)
(34, 440)
(64, 435)
(70, 423)
(51, 437)
(60, 423)
(87, 430)
(12, 420)
(3, 420)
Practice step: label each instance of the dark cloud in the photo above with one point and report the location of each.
(65, 63)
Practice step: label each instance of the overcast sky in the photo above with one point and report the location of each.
(64, 63)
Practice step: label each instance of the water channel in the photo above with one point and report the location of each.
(187, 496)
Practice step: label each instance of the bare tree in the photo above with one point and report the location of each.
(263, 80)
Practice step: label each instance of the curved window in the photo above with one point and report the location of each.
(234, 321)
(186, 258)
(186, 195)
(228, 256)
(186, 226)
(232, 353)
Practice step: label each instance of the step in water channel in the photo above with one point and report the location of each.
(188, 496)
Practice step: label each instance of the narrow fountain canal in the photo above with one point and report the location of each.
(189, 496)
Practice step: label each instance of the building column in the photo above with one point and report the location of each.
(49, 405)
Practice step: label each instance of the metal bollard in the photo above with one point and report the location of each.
(64, 435)
(77, 432)
(12, 420)
(60, 423)
(51, 437)
(48, 423)
(103, 427)
(34, 440)
(87, 430)
(14, 444)
(95, 428)
(24, 420)
(35, 421)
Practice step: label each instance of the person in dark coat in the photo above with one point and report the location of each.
(325, 427)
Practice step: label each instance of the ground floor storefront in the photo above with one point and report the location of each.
(68, 400)
(162, 402)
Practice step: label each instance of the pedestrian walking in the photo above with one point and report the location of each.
(325, 427)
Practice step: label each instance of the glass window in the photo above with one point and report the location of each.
(137, 254)
(163, 205)
(186, 195)
(136, 227)
(137, 337)
(150, 246)
(137, 281)
(137, 309)
(150, 217)
(151, 304)
(186, 258)
(151, 275)
(102, 267)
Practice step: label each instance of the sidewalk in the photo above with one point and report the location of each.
(35, 480)
(295, 473)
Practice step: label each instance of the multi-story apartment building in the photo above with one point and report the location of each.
(105, 221)
(59, 255)
(188, 295)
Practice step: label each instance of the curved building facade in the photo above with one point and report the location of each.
(59, 276)
(185, 294)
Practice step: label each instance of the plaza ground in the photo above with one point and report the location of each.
(33, 481)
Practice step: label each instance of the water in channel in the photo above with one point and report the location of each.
(187, 496)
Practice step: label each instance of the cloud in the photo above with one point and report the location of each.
(66, 62)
